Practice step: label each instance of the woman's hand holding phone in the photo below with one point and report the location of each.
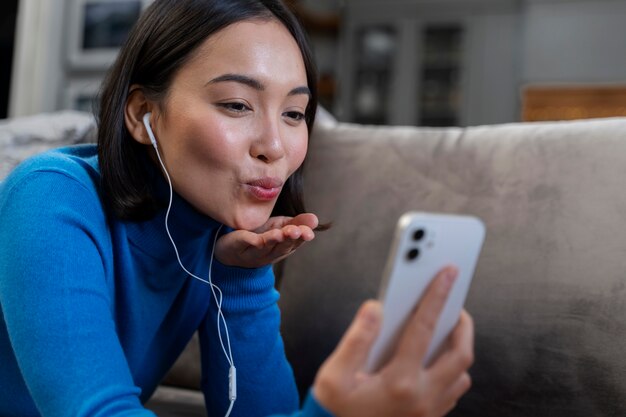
(403, 386)
(278, 238)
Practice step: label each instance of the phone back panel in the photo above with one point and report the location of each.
(425, 243)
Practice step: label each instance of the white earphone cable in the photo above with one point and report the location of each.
(215, 290)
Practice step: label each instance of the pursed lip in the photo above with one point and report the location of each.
(265, 189)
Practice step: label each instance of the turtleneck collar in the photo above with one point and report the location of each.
(187, 225)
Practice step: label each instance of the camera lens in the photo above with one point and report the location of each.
(413, 254)
(418, 234)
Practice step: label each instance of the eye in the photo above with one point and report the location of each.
(235, 107)
(295, 116)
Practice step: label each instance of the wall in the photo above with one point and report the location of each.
(493, 74)
(574, 41)
(550, 41)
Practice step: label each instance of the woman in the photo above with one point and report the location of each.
(203, 128)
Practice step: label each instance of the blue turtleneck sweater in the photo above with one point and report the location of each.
(95, 310)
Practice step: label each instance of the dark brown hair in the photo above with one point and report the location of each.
(161, 42)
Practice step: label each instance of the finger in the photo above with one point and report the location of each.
(419, 331)
(285, 248)
(305, 219)
(351, 353)
(459, 355)
(292, 232)
(271, 238)
(304, 233)
(460, 387)
(298, 236)
(278, 247)
(452, 396)
(275, 222)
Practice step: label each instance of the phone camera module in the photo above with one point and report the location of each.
(418, 235)
(413, 254)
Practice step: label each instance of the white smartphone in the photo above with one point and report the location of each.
(424, 243)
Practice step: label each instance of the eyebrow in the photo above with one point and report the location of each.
(255, 84)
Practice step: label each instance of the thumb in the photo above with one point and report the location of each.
(351, 353)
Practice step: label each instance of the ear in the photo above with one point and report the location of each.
(136, 106)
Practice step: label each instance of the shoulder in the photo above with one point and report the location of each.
(52, 186)
(51, 201)
(50, 172)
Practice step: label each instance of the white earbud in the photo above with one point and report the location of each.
(146, 123)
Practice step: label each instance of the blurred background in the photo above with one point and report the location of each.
(396, 62)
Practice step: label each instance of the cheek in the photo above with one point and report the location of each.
(298, 152)
(213, 143)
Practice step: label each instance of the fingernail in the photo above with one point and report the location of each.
(450, 276)
(370, 314)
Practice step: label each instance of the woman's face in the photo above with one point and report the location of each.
(232, 128)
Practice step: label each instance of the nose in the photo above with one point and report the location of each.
(268, 146)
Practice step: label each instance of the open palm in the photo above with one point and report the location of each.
(278, 238)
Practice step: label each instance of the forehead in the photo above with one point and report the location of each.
(263, 49)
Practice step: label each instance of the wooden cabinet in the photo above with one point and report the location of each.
(542, 103)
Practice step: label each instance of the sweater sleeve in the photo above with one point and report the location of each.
(56, 304)
(265, 381)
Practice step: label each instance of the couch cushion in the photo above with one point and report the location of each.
(177, 402)
(549, 294)
(23, 137)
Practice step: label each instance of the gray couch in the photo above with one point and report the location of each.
(549, 294)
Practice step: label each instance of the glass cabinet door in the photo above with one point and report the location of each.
(375, 52)
(440, 76)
